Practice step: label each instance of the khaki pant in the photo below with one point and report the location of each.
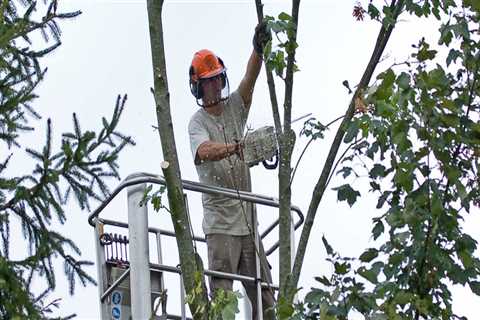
(236, 254)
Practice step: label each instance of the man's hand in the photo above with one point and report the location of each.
(239, 146)
(261, 37)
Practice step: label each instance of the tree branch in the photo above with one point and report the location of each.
(171, 169)
(286, 144)
(270, 81)
(382, 40)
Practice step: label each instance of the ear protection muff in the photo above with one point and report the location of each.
(195, 86)
(223, 75)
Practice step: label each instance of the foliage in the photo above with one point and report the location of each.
(223, 304)
(154, 197)
(419, 148)
(343, 291)
(276, 55)
(37, 199)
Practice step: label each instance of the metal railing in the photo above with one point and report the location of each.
(138, 178)
(143, 178)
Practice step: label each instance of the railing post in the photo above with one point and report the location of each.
(163, 294)
(140, 286)
(101, 270)
(258, 274)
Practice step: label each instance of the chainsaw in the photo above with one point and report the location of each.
(261, 145)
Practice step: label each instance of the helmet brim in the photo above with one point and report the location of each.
(212, 74)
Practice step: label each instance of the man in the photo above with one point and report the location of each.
(215, 133)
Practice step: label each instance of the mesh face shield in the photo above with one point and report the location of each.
(213, 90)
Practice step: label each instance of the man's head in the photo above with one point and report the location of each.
(208, 78)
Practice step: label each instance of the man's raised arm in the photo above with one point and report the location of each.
(260, 39)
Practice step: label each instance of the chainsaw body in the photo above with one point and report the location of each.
(260, 146)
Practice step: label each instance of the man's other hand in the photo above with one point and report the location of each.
(261, 37)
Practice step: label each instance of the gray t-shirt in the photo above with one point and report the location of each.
(221, 214)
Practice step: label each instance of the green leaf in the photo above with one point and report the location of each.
(316, 296)
(368, 274)
(446, 34)
(378, 229)
(453, 56)
(285, 309)
(378, 170)
(388, 77)
(402, 237)
(284, 16)
(384, 109)
(388, 19)
(351, 132)
(404, 178)
(473, 4)
(424, 53)
(346, 171)
(231, 307)
(327, 246)
(323, 280)
(466, 242)
(466, 258)
(373, 11)
(461, 30)
(384, 91)
(403, 80)
(403, 297)
(346, 192)
(438, 79)
(341, 268)
(369, 255)
(450, 120)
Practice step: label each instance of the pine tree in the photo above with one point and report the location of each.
(38, 197)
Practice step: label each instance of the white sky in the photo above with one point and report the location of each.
(106, 51)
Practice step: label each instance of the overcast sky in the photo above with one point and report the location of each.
(106, 51)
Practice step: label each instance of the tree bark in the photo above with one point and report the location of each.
(171, 171)
(287, 142)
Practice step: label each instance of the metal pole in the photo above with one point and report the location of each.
(140, 286)
(247, 306)
(258, 273)
(101, 269)
(163, 297)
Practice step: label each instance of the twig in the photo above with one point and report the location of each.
(340, 159)
(307, 145)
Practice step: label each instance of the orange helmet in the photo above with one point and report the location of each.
(206, 65)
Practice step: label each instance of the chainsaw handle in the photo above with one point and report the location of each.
(273, 164)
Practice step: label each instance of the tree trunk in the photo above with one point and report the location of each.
(171, 169)
(287, 142)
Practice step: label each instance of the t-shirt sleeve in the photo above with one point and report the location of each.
(239, 109)
(198, 135)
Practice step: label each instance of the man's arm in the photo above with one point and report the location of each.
(214, 151)
(248, 82)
